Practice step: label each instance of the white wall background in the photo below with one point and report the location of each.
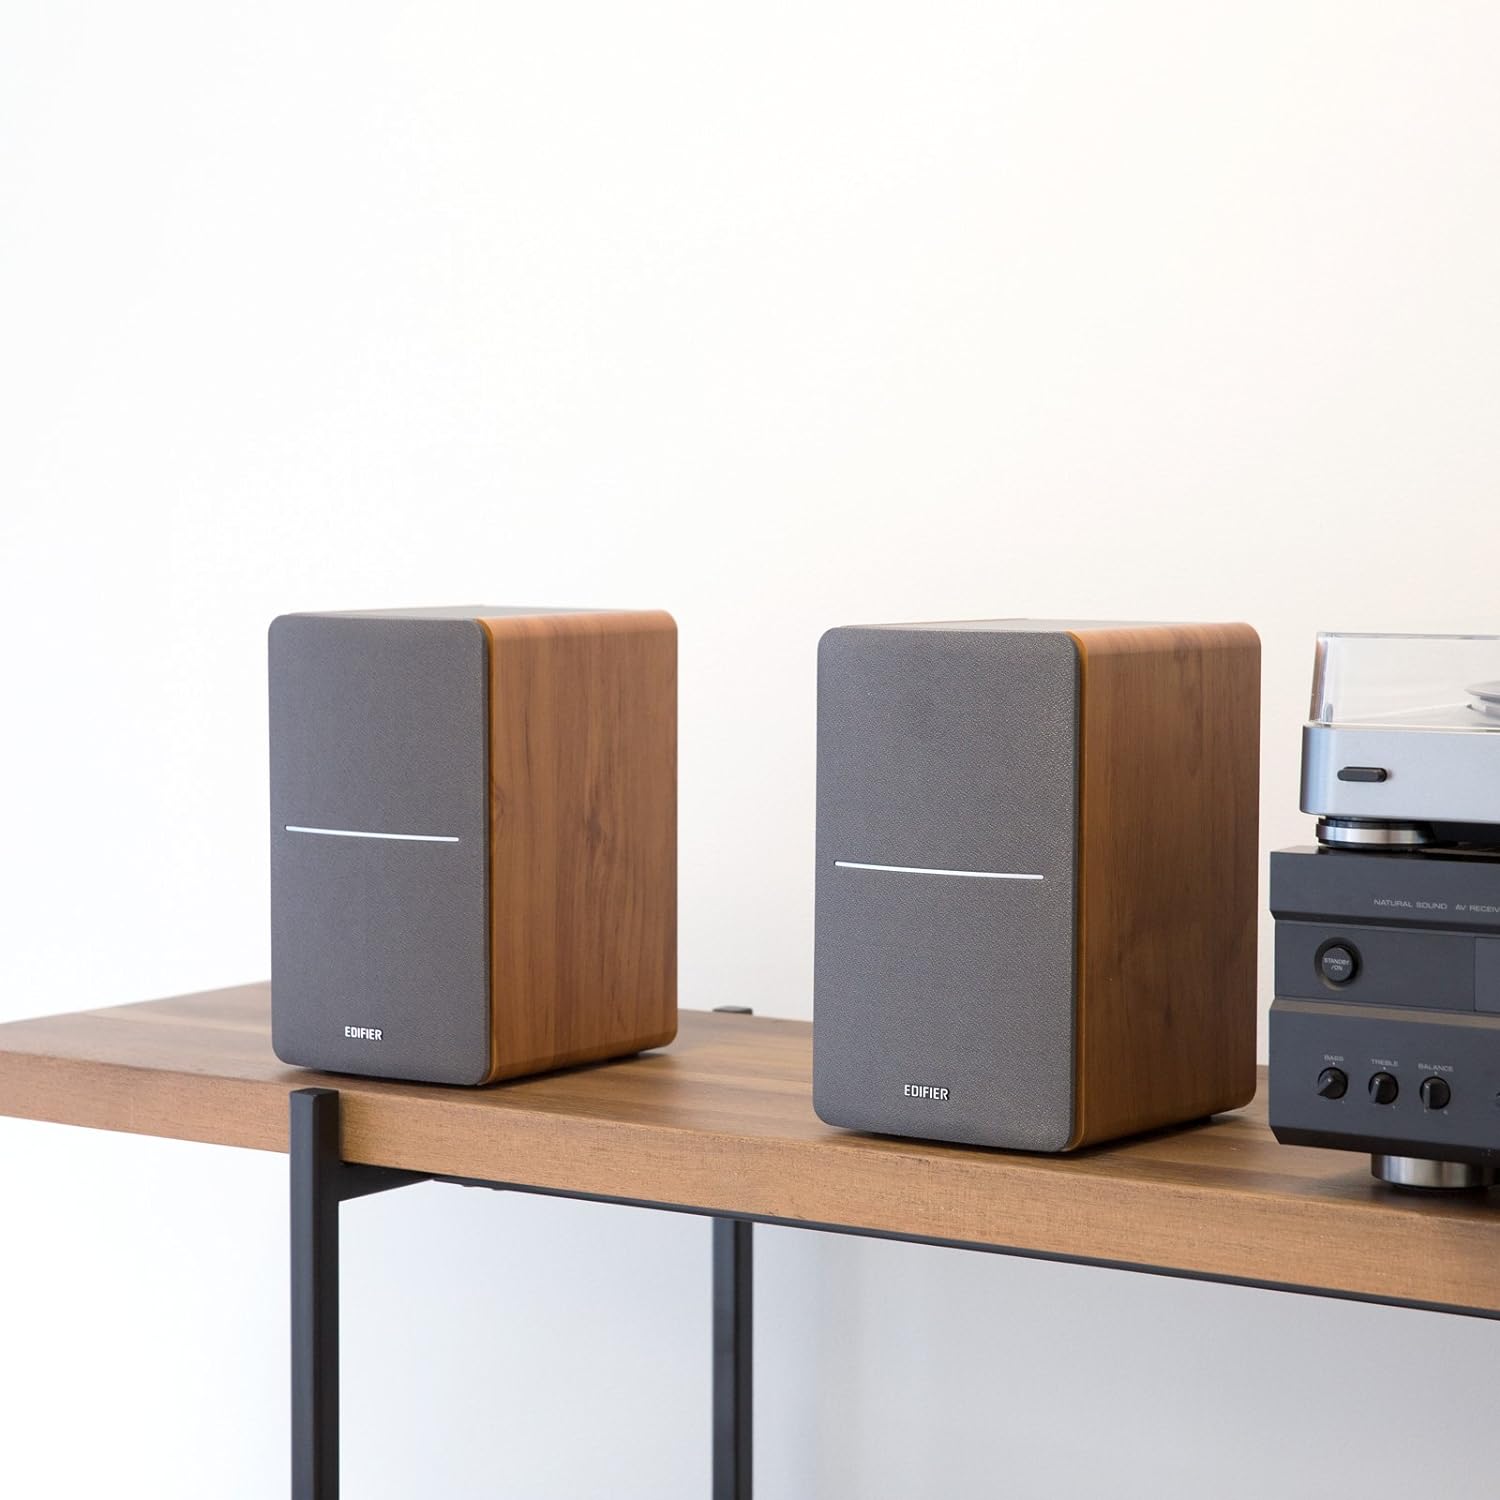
(779, 316)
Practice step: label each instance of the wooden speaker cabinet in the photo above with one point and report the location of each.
(473, 839)
(1036, 878)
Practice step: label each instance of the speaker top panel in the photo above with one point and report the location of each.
(440, 612)
(1021, 626)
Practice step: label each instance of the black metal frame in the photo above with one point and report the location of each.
(321, 1180)
(734, 1293)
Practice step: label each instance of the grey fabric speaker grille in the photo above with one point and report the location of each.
(951, 750)
(379, 725)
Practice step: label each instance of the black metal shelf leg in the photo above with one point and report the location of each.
(321, 1180)
(734, 1284)
(315, 1171)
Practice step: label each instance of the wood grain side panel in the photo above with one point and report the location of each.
(1168, 858)
(583, 837)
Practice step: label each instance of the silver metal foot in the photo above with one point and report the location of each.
(1432, 1176)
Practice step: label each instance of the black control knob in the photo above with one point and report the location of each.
(1384, 1088)
(1332, 1083)
(1435, 1093)
(1337, 964)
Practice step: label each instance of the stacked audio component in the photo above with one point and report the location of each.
(1385, 1029)
(1036, 878)
(473, 839)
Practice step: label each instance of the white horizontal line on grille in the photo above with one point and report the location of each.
(850, 864)
(365, 833)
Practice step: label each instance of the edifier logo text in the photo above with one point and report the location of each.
(363, 1033)
(923, 1091)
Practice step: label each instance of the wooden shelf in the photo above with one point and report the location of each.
(722, 1122)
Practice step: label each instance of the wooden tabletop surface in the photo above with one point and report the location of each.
(722, 1121)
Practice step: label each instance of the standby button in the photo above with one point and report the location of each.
(1337, 963)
